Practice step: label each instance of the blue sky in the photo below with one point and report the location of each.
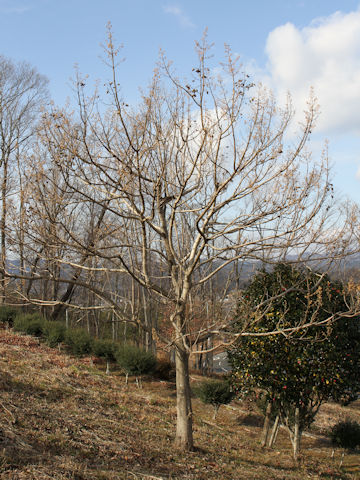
(289, 44)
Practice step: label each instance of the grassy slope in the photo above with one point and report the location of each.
(60, 418)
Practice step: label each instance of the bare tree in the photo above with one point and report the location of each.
(22, 93)
(197, 177)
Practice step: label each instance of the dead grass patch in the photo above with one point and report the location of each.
(62, 418)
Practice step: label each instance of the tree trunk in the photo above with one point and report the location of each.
(147, 308)
(184, 435)
(266, 428)
(22, 215)
(113, 327)
(210, 356)
(216, 409)
(199, 364)
(3, 230)
(297, 434)
(274, 431)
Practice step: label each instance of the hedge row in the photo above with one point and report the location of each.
(133, 360)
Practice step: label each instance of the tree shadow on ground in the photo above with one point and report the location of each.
(250, 420)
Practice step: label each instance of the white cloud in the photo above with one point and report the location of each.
(183, 19)
(326, 56)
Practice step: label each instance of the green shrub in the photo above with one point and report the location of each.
(29, 323)
(214, 392)
(78, 341)
(21, 322)
(135, 361)
(54, 333)
(8, 314)
(105, 349)
(165, 370)
(345, 434)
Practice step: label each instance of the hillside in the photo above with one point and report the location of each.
(62, 418)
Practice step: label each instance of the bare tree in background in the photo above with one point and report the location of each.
(22, 92)
(197, 177)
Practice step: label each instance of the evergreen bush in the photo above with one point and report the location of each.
(29, 323)
(78, 341)
(214, 392)
(20, 323)
(346, 434)
(54, 333)
(135, 361)
(105, 349)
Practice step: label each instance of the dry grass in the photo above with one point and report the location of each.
(61, 418)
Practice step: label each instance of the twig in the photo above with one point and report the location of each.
(144, 475)
(9, 412)
(213, 425)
